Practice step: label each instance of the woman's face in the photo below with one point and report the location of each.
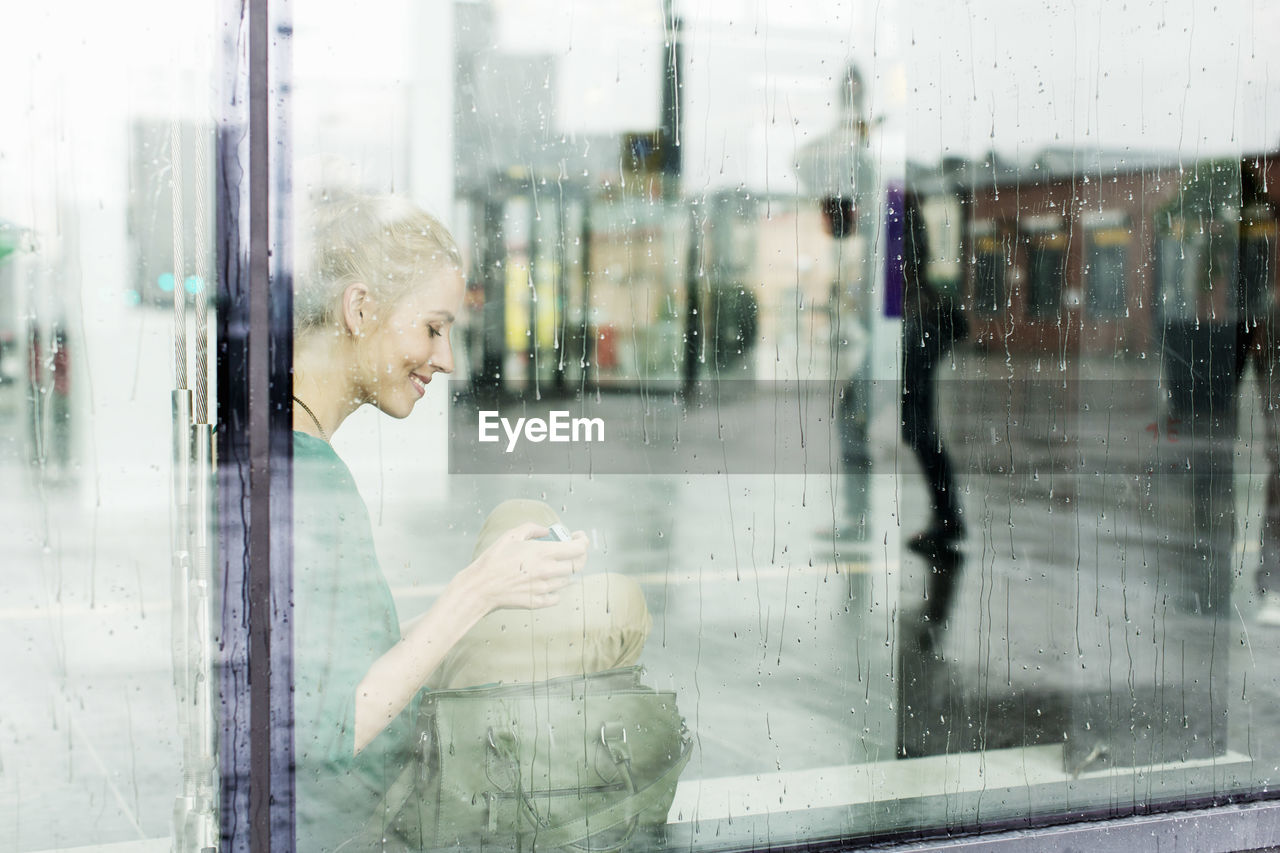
(409, 343)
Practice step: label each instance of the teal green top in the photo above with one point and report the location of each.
(344, 620)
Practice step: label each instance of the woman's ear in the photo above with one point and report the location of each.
(356, 307)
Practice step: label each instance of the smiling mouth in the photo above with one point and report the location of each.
(419, 383)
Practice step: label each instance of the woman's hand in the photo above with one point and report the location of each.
(516, 571)
(519, 571)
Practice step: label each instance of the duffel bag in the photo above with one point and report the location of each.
(579, 762)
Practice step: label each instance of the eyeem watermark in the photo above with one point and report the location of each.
(558, 427)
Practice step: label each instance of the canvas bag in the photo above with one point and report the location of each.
(578, 762)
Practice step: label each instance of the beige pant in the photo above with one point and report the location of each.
(600, 623)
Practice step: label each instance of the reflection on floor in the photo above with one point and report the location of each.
(1103, 601)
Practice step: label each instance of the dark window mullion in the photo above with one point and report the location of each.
(254, 644)
(232, 631)
(279, 605)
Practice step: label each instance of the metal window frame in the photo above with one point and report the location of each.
(255, 435)
(1231, 828)
(255, 451)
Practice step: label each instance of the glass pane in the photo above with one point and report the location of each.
(1111, 428)
(892, 373)
(106, 271)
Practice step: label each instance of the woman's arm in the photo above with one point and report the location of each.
(514, 572)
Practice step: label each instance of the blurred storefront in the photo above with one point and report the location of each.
(1087, 252)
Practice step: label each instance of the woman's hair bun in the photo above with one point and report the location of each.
(383, 241)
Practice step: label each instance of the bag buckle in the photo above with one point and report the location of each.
(614, 738)
(503, 743)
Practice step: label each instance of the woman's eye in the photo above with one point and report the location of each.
(435, 333)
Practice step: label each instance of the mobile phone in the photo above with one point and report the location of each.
(559, 533)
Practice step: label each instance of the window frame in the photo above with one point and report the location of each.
(255, 433)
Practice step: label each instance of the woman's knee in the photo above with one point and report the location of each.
(601, 622)
(520, 510)
(513, 513)
(616, 599)
(615, 620)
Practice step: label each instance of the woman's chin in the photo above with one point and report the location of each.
(398, 409)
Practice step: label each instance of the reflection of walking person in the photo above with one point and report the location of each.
(372, 323)
(1258, 342)
(932, 323)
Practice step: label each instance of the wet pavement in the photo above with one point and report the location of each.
(1094, 630)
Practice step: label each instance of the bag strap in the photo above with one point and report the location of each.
(617, 814)
(401, 790)
(397, 796)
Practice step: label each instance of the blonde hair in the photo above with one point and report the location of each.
(386, 243)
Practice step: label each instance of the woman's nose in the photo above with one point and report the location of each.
(442, 360)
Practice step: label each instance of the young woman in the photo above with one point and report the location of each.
(373, 312)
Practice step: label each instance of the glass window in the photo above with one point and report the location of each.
(107, 283)
(633, 426)
(913, 461)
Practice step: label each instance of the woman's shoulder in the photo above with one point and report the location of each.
(317, 469)
(330, 520)
(308, 449)
(308, 445)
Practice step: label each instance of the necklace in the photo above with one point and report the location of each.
(314, 419)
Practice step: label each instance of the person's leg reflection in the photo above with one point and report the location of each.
(1268, 369)
(923, 348)
(601, 623)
